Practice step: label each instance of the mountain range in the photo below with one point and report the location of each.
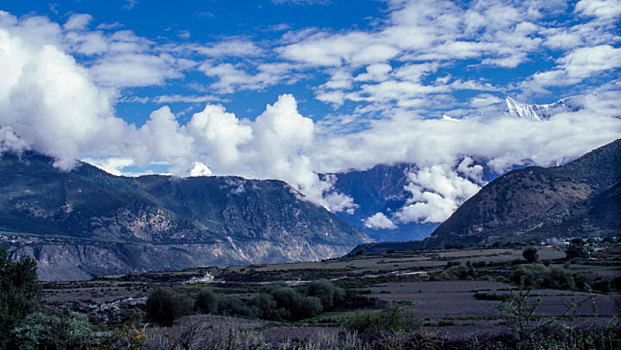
(578, 199)
(381, 189)
(86, 222)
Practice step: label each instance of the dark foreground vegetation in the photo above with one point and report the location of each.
(530, 297)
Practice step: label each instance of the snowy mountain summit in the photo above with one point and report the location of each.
(519, 110)
(511, 108)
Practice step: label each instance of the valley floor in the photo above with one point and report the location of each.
(456, 296)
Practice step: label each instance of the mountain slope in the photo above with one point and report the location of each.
(87, 222)
(380, 189)
(576, 199)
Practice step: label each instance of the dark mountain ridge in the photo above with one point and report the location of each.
(536, 203)
(87, 222)
(579, 199)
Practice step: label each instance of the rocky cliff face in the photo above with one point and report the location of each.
(86, 222)
(576, 199)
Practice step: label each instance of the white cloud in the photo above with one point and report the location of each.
(11, 142)
(184, 98)
(232, 78)
(78, 21)
(231, 47)
(112, 165)
(375, 72)
(605, 9)
(483, 100)
(496, 141)
(576, 66)
(379, 221)
(129, 70)
(200, 169)
(395, 75)
(129, 4)
(220, 133)
(50, 102)
(436, 192)
(585, 62)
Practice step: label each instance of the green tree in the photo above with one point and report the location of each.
(326, 292)
(207, 301)
(576, 250)
(59, 330)
(531, 255)
(20, 293)
(163, 307)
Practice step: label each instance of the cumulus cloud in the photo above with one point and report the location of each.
(200, 169)
(379, 221)
(436, 192)
(49, 100)
(234, 77)
(112, 165)
(11, 142)
(396, 75)
(55, 107)
(576, 66)
(130, 70)
(441, 33)
(600, 8)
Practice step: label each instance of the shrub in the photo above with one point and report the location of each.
(603, 284)
(531, 255)
(480, 263)
(577, 251)
(299, 306)
(268, 308)
(61, 330)
(395, 318)
(163, 307)
(207, 301)
(559, 278)
(458, 272)
(452, 263)
(539, 275)
(236, 306)
(20, 292)
(326, 292)
(530, 274)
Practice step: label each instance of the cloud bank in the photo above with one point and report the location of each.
(389, 87)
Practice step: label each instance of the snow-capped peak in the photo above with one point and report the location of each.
(519, 110)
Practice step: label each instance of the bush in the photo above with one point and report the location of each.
(531, 255)
(326, 292)
(268, 308)
(577, 251)
(458, 272)
(207, 301)
(530, 274)
(299, 306)
(395, 318)
(539, 275)
(61, 330)
(20, 293)
(236, 306)
(163, 307)
(452, 263)
(559, 278)
(480, 263)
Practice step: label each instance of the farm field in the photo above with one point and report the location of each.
(456, 295)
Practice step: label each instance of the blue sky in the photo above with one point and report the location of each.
(288, 89)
